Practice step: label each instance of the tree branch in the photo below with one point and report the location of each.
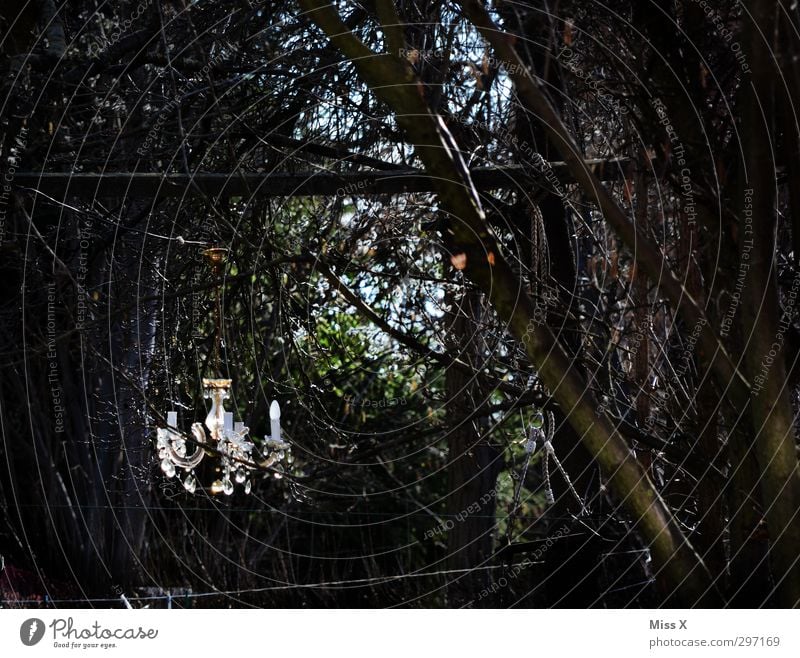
(394, 83)
(648, 256)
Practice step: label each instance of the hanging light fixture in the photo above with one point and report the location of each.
(238, 454)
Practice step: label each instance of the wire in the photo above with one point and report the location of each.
(335, 583)
(296, 513)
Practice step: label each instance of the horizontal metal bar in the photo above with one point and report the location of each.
(63, 185)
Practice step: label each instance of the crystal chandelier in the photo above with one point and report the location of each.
(238, 454)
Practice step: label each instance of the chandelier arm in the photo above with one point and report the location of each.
(189, 461)
(267, 463)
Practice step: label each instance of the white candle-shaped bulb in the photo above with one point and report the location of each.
(238, 426)
(275, 420)
(228, 421)
(172, 419)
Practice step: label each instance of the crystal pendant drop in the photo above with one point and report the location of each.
(168, 467)
(190, 484)
(248, 487)
(241, 476)
(227, 486)
(537, 422)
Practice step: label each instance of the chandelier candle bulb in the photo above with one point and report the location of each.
(172, 419)
(275, 420)
(228, 421)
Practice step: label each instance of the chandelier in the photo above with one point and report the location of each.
(239, 456)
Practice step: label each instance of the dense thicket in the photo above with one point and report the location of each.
(631, 268)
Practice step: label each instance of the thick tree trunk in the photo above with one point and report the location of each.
(772, 413)
(473, 464)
